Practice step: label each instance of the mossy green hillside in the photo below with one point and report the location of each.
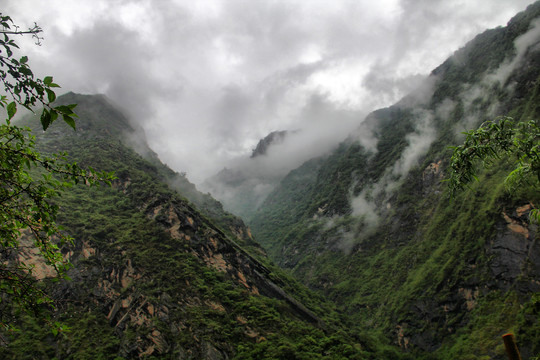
(153, 277)
(424, 269)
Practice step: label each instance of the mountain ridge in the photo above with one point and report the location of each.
(155, 277)
(372, 227)
(162, 270)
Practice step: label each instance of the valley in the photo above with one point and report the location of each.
(359, 253)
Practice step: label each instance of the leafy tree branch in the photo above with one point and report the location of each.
(493, 140)
(29, 182)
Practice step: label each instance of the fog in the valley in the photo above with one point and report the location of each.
(208, 79)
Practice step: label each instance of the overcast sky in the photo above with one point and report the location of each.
(208, 79)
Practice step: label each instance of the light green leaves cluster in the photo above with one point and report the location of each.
(493, 140)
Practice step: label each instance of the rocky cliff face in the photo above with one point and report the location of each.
(515, 251)
(132, 295)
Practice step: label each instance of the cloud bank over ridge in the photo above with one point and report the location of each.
(208, 79)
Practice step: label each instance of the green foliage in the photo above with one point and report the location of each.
(529, 326)
(88, 333)
(204, 306)
(286, 206)
(491, 141)
(493, 316)
(19, 81)
(426, 253)
(29, 181)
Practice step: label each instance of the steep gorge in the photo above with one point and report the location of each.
(156, 275)
(396, 268)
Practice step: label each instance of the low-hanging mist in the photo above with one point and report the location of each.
(207, 80)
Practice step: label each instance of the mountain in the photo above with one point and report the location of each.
(162, 271)
(396, 268)
(372, 227)
(243, 188)
(275, 137)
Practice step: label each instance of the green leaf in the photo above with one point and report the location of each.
(54, 116)
(69, 120)
(26, 71)
(24, 60)
(50, 95)
(48, 80)
(65, 109)
(45, 119)
(11, 109)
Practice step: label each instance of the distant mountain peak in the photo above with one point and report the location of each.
(275, 137)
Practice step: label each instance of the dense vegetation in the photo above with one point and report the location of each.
(154, 277)
(160, 270)
(29, 181)
(435, 275)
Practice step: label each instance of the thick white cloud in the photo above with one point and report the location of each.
(208, 79)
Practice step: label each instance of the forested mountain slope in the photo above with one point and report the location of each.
(372, 226)
(156, 275)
